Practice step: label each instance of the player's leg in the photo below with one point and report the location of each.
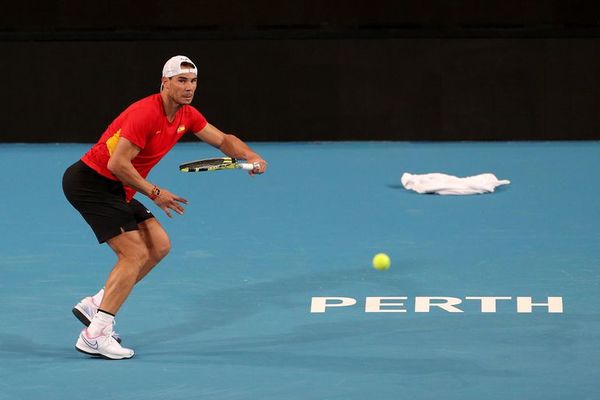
(132, 255)
(138, 252)
(157, 242)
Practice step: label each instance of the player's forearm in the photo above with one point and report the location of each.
(234, 147)
(128, 175)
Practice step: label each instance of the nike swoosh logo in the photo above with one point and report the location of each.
(93, 345)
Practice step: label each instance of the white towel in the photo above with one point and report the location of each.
(449, 184)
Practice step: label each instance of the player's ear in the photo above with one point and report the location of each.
(162, 83)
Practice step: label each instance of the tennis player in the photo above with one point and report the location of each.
(102, 185)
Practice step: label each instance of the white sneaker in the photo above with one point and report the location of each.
(85, 311)
(104, 345)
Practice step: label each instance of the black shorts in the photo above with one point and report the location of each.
(101, 202)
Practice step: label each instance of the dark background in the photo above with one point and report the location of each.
(309, 70)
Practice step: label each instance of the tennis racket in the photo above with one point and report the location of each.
(216, 164)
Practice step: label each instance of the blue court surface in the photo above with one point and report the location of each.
(489, 296)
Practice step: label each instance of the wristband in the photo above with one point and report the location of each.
(154, 193)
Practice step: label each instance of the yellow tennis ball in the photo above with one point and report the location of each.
(381, 262)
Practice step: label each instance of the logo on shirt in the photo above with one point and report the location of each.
(181, 128)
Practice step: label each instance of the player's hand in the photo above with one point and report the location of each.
(168, 201)
(260, 165)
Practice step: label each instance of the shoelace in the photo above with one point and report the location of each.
(108, 334)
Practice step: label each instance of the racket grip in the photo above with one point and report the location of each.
(246, 166)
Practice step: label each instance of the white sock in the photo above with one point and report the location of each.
(99, 324)
(98, 297)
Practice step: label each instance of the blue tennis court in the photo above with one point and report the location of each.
(489, 296)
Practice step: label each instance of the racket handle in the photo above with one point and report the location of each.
(248, 166)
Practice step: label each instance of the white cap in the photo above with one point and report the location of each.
(173, 67)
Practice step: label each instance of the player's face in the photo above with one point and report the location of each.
(182, 87)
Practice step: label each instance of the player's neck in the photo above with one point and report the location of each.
(169, 106)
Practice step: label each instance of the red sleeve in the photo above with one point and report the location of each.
(198, 121)
(137, 127)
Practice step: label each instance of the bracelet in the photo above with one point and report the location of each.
(154, 193)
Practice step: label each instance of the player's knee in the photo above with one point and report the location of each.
(161, 251)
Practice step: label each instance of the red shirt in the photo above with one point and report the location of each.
(144, 124)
